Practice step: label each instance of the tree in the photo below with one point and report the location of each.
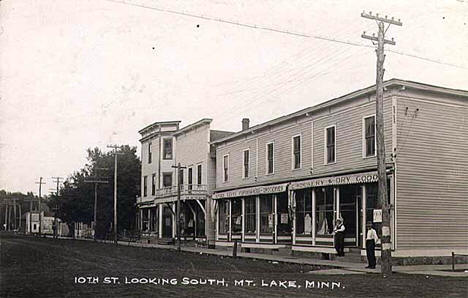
(77, 196)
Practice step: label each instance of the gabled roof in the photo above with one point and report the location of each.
(338, 100)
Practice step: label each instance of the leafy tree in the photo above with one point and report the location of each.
(76, 198)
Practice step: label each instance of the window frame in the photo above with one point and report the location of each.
(325, 145)
(150, 153)
(293, 156)
(199, 174)
(244, 166)
(267, 164)
(166, 174)
(164, 148)
(225, 169)
(153, 184)
(364, 137)
(145, 186)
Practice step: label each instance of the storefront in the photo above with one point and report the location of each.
(256, 215)
(317, 203)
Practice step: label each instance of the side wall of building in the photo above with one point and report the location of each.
(432, 171)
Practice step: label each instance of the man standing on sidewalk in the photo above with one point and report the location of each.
(371, 241)
(339, 237)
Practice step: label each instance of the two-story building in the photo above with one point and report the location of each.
(283, 183)
(164, 147)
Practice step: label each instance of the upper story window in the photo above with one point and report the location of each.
(270, 158)
(150, 154)
(369, 141)
(167, 148)
(296, 149)
(330, 141)
(246, 163)
(153, 184)
(145, 186)
(167, 179)
(225, 168)
(199, 174)
(190, 178)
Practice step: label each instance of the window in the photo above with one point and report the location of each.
(369, 136)
(190, 181)
(150, 155)
(167, 149)
(223, 217)
(245, 172)
(153, 184)
(145, 185)
(330, 138)
(199, 174)
(296, 152)
(167, 179)
(236, 216)
(266, 214)
(324, 211)
(225, 168)
(270, 157)
(250, 215)
(304, 212)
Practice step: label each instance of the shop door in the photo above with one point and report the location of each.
(349, 197)
(167, 223)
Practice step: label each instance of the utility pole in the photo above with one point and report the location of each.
(40, 201)
(180, 172)
(57, 180)
(386, 255)
(96, 180)
(115, 147)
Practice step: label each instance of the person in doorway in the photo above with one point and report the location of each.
(339, 237)
(371, 240)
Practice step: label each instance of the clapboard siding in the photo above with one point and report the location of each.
(432, 172)
(193, 149)
(148, 169)
(348, 119)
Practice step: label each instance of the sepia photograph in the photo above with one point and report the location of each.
(249, 148)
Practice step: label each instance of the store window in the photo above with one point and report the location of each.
(369, 136)
(266, 214)
(250, 215)
(167, 149)
(236, 216)
(282, 209)
(330, 144)
(304, 212)
(223, 223)
(324, 202)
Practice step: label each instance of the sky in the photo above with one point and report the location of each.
(76, 74)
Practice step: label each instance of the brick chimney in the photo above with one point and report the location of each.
(245, 123)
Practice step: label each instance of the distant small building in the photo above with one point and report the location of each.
(32, 224)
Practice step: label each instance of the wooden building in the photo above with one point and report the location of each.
(283, 183)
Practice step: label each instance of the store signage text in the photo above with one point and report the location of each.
(251, 191)
(339, 180)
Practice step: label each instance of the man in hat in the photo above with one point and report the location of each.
(371, 241)
(339, 237)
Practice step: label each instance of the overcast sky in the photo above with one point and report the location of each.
(83, 73)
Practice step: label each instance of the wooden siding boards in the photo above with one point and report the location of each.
(432, 172)
(348, 119)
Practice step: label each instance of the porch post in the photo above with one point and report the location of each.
(313, 216)
(230, 220)
(275, 220)
(243, 219)
(292, 195)
(257, 217)
(160, 219)
(364, 220)
(149, 220)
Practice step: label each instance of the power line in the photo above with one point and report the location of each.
(277, 30)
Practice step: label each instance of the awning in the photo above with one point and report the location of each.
(358, 178)
(251, 191)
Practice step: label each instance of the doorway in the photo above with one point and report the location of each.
(350, 196)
